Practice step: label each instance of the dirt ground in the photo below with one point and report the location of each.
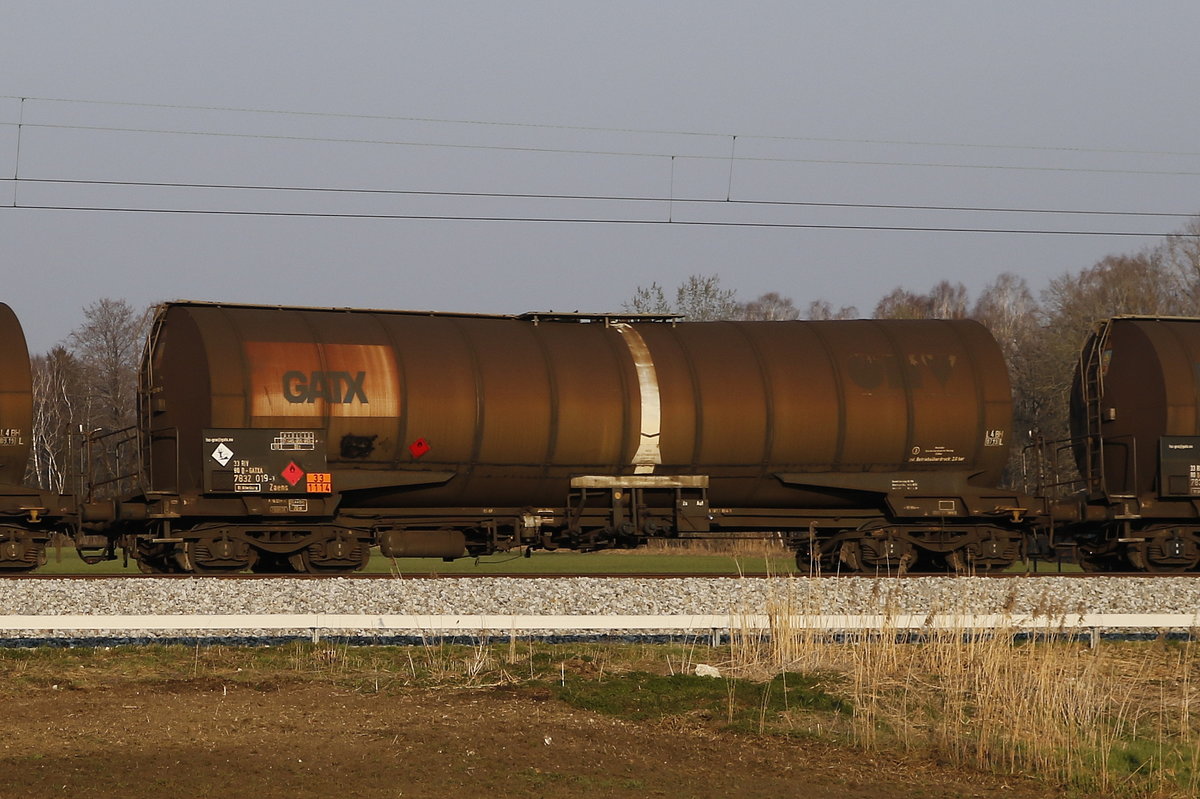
(204, 737)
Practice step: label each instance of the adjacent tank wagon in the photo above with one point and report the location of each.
(1135, 416)
(291, 438)
(28, 516)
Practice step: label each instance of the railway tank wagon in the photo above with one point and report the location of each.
(28, 516)
(1135, 419)
(290, 438)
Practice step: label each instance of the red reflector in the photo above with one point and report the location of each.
(419, 447)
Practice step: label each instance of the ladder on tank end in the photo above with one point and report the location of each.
(1093, 366)
(1092, 370)
(1064, 466)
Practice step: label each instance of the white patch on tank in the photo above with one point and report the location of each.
(648, 452)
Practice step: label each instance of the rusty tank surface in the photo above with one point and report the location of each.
(438, 433)
(513, 406)
(16, 400)
(1135, 422)
(27, 516)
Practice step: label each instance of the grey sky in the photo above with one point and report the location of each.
(1048, 105)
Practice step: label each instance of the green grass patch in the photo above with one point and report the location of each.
(1043, 567)
(738, 704)
(664, 557)
(584, 563)
(66, 561)
(1161, 762)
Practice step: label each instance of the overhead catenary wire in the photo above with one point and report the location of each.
(613, 153)
(251, 110)
(592, 221)
(732, 156)
(598, 197)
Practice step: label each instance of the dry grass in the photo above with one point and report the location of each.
(1116, 719)
(753, 547)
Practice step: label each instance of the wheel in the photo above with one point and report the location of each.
(886, 555)
(961, 561)
(814, 564)
(850, 554)
(1165, 551)
(901, 565)
(336, 556)
(20, 552)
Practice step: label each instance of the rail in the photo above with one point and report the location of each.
(703, 625)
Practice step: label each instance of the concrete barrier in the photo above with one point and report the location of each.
(505, 624)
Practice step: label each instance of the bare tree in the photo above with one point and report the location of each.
(1007, 308)
(769, 307)
(947, 300)
(820, 310)
(108, 346)
(701, 299)
(57, 391)
(648, 300)
(901, 303)
(1181, 257)
(1139, 283)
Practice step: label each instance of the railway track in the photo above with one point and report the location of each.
(597, 575)
(370, 596)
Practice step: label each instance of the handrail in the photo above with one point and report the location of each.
(1047, 457)
(114, 444)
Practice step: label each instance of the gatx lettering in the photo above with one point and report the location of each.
(334, 387)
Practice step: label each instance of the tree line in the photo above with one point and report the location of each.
(83, 385)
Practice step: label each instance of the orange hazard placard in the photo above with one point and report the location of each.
(319, 483)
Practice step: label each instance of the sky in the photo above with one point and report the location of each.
(505, 157)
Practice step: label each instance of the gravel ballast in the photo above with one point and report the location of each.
(601, 596)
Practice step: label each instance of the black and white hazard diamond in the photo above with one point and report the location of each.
(222, 454)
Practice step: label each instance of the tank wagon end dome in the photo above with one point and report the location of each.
(16, 399)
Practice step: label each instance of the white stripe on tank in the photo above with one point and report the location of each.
(648, 452)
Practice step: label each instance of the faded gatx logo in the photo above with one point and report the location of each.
(333, 387)
(877, 371)
(306, 379)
